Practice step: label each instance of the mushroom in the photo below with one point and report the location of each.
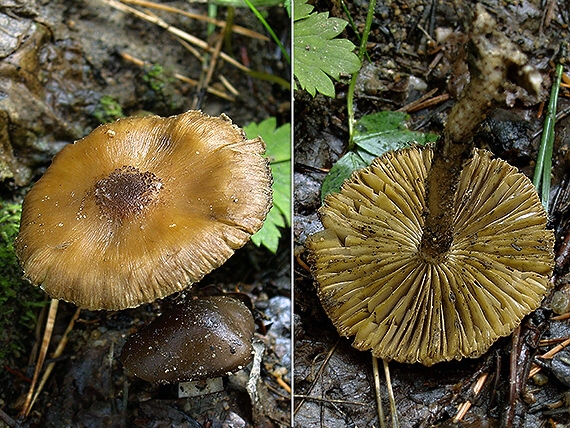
(377, 283)
(204, 338)
(141, 208)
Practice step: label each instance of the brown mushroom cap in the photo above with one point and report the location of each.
(375, 283)
(141, 208)
(200, 339)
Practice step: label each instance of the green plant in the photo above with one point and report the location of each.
(156, 78)
(318, 55)
(261, 19)
(18, 301)
(542, 172)
(278, 141)
(374, 135)
(108, 110)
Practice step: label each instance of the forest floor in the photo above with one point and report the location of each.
(334, 383)
(65, 67)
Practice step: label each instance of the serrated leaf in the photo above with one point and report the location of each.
(340, 171)
(269, 234)
(318, 55)
(282, 188)
(381, 132)
(287, 6)
(278, 150)
(301, 9)
(277, 140)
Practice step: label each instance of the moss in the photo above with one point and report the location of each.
(18, 300)
(108, 110)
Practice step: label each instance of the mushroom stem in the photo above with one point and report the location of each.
(495, 60)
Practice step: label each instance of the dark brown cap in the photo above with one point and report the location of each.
(201, 339)
(375, 283)
(141, 208)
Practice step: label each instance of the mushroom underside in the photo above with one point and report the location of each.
(376, 284)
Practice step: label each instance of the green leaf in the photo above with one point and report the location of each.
(282, 188)
(374, 135)
(382, 132)
(287, 5)
(269, 234)
(318, 55)
(340, 171)
(301, 9)
(278, 142)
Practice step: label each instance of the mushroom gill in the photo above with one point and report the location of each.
(403, 303)
(141, 208)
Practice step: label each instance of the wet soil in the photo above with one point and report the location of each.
(334, 384)
(58, 61)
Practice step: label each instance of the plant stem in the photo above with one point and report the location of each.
(269, 30)
(544, 159)
(352, 85)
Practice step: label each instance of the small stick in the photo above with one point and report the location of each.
(331, 400)
(228, 85)
(536, 368)
(513, 378)
(420, 100)
(393, 410)
(236, 28)
(206, 81)
(431, 102)
(464, 407)
(379, 407)
(57, 353)
(42, 355)
(188, 80)
(175, 31)
(321, 369)
(556, 318)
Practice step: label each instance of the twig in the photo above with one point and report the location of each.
(228, 85)
(8, 420)
(380, 409)
(236, 28)
(393, 410)
(42, 355)
(536, 368)
(185, 79)
(206, 81)
(331, 400)
(420, 100)
(319, 373)
(429, 103)
(175, 31)
(563, 316)
(57, 353)
(513, 378)
(465, 406)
